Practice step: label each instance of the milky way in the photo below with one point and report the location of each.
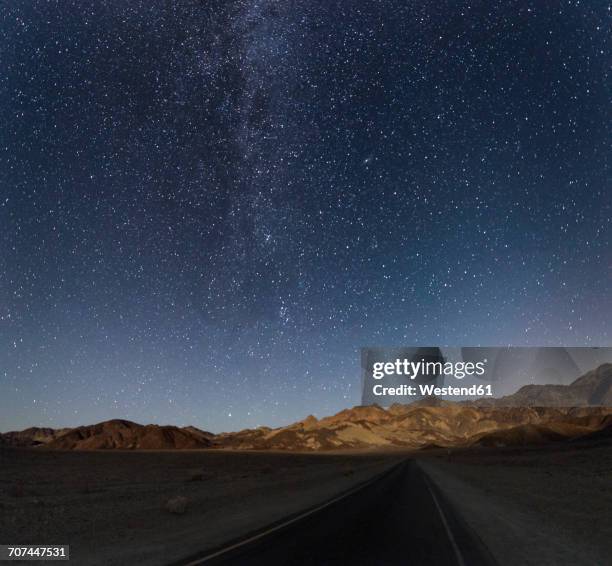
(207, 208)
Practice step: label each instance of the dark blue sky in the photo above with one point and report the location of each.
(207, 208)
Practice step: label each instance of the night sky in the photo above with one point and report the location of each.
(207, 208)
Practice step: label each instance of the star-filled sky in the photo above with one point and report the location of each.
(207, 208)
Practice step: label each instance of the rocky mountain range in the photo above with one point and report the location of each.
(33, 436)
(126, 434)
(536, 414)
(592, 389)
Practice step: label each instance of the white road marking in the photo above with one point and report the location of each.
(451, 537)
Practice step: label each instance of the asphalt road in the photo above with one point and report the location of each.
(401, 518)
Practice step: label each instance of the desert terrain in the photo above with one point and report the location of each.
(544, 505)
(112, 507)
(532, 478)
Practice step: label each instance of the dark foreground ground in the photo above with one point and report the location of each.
(510, 506)
(110, 506)
(537, 506)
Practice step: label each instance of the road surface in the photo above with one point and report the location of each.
(400, 518)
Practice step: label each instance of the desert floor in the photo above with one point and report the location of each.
(111, 506)
(533, 506)
(545, 505)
